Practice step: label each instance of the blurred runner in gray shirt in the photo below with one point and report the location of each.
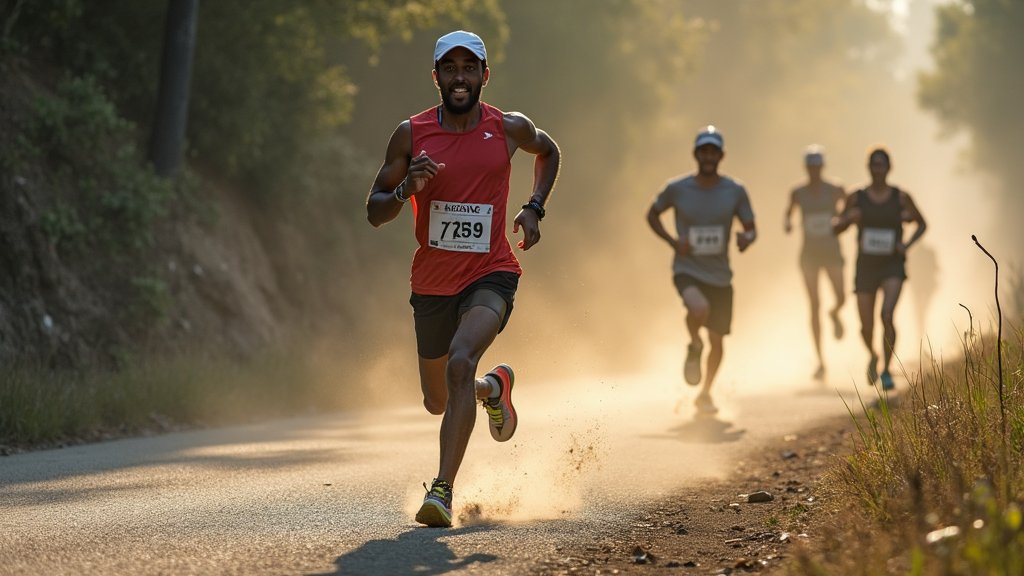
(705, 205)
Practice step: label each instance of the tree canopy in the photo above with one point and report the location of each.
(977, 83)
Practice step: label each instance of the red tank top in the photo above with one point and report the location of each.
(460, 215)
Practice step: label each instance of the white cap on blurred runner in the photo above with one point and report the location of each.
(709, 135)
(466, 40)
(814, 156)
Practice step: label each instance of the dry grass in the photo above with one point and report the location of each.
(42, 407)
(935, 484)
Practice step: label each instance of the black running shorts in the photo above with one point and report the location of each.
(437, 317)
(816, 258)
(871, 272)
(719, 301)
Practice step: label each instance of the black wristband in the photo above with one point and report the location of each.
(536, 207)
(398, 193)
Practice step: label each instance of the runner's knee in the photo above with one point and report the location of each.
(699, 310)
(461, 370)
(815, 307)
(887, 317)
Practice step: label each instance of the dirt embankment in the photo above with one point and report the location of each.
(213, 283)
(216, 272)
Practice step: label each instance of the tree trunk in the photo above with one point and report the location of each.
(168, 139)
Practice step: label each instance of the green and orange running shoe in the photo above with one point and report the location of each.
(436, 510)
(500, 410)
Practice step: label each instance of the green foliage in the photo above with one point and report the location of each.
(994, 542)
(113, 199)
(62, 224)
(153, 296)
(936, 473)
(791, 66)
(288, 59)
(976, 84)
(268, 76)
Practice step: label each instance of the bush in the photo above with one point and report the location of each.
(101, 190)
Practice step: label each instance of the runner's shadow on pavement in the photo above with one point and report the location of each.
(707, 429)
(416, 552)
(823, 389)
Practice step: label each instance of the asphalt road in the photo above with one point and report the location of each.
(336, 494)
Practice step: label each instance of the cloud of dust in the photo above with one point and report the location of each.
(576, 450)
(598, 332)
(603, 297)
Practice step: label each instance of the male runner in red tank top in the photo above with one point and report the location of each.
(453, 163)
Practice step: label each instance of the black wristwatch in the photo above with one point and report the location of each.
(399, 193)
(536, 207)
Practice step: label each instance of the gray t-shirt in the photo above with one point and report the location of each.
(705, 215)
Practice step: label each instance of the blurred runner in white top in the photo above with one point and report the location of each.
(818, 201)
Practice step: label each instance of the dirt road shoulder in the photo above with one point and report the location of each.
(749, 522)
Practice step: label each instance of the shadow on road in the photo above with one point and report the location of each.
(706, 429)
(416, 552)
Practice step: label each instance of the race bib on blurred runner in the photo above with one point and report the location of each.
(460, 227)
(818, 224)
(878, 241)
(707, 240)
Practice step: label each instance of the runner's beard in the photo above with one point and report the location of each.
(474, 97)
(708, 168)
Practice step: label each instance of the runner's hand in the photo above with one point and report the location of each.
(421, 170)
(744, 240)
(682, 246)
(853, 215)
(528, 220)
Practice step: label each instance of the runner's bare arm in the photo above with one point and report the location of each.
(746, 238)
(399, 178)
(381, 204)
(520, 132)
(838, 194)
(912, 214)
(850, 214)
(787, 222)
(680, 245)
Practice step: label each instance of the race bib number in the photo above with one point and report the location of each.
(707, 240)
(460, 227)
(878, 241)
(818, 224)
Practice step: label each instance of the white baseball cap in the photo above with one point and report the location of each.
(709, 135)
(814, 155)
(460, 38)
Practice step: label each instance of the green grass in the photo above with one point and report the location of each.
(41, 407)
(935, 484)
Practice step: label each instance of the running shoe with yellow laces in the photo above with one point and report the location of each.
(436, 510)
(500, 412)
